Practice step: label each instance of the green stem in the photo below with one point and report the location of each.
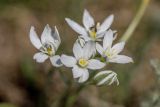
(135, 21)
(73, 96)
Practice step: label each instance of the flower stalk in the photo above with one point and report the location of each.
(135, 21)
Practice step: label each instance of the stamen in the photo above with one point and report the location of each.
(93, 31)
(108, 53)
(48, 49)
(83, 62)
(97, 25)
(93, 34)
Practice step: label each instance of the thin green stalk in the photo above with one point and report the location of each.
(73, 96)
(135, 21)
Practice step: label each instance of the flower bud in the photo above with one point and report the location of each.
(107, 77)
(81, 41)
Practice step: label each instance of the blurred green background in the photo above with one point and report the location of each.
(25, 83)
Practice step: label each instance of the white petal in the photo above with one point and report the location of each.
(106, 24)
(101, 35)
(95, 64)
(40, 57)
(115, 36)
(77, 72)
(56, 35)
(34, 38)
(47, 35)
(88, 20)
(77, 50)
(85, 75)
(121, 59)
(99, 49)
(85, 37)
(68, 61)
(89, 49)
(76, 27)
(57, 39)
(108, 39)
(117, 48)
(56, 61)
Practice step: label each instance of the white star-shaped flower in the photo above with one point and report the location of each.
(112, 53)
(47, 46)
(91, 30)
(81, 61)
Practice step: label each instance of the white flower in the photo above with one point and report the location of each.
(47, 46)
(91, 30)
(106, 77)
(112, 53)
(81, 61)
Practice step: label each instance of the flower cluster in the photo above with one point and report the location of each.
(92, 50)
